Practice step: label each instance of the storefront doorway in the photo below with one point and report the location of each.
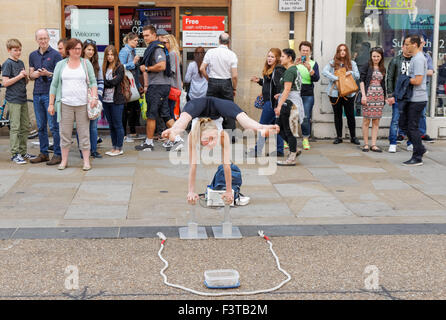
(367, 26)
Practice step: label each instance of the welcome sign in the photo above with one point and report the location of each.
(90, 24)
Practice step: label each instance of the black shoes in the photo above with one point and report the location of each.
(426, 138)
(413, 162)
(96, 155)
(355, 141)
(337, 141)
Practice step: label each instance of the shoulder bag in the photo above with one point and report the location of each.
(93, 113)
(346, 84)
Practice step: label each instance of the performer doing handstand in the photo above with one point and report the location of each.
(207, 113)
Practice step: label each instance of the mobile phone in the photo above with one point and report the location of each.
(304, 58)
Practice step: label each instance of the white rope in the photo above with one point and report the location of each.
(233, 293)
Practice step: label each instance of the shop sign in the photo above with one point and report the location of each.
(202, 31)
(292, 5)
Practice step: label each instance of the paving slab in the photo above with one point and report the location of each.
(324, 207)
(315, 161)
(92, 211)
(370, 209)
(332, 176)
(111, 172)
(303, 190)
(390, 185)
(103, 192)
(6, 183)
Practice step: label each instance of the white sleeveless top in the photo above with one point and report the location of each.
(74, 86)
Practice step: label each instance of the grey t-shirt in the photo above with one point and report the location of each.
(158, 77)
(418, 67)
(17, 92)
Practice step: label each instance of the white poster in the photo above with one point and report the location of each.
(54, 37)
(90, 24)
(292, 5)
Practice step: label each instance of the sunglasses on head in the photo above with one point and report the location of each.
(89, 41)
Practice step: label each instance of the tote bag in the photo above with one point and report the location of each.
(133, 89)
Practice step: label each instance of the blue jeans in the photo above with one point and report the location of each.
(393, 132)
(308, 108)
(113, 113)
(268, 117)
(41, 102)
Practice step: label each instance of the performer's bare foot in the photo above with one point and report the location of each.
(267, 130)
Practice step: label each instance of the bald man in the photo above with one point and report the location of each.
(222, 77)
(41, 66)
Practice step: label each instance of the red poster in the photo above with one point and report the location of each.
(203, 23)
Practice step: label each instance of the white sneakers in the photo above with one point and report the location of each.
(242, 201)
(410, 147)
(392, 148)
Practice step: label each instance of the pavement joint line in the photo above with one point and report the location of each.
(247, 231)
(16, 229)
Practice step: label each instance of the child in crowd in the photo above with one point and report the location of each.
(15, 79)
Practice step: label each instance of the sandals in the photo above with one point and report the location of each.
(375, 149)
(365, 148)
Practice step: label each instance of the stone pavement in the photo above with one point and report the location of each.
(333, 184)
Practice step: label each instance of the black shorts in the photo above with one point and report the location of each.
(214, 108)
(157, 97)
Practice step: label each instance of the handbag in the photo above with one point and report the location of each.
(143, 105)
(259, 102)
(93, 113)
(135, 95)
(175, 95)
(346, 84)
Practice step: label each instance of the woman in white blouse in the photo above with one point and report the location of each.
(72, 78)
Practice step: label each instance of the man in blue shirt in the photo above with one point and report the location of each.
(41, 66)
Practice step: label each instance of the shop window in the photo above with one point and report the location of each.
(91, 22)
(95, 23)
(134, 19)
(385, 27)
(440, 106)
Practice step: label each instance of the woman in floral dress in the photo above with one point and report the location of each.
(373, 89)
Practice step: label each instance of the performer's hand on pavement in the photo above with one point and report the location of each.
(192, 198)
(227, 197)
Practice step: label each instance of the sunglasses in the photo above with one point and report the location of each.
(89, 41)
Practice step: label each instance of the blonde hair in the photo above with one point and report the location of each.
(202, 125)
(13, 43)
(173, 44)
